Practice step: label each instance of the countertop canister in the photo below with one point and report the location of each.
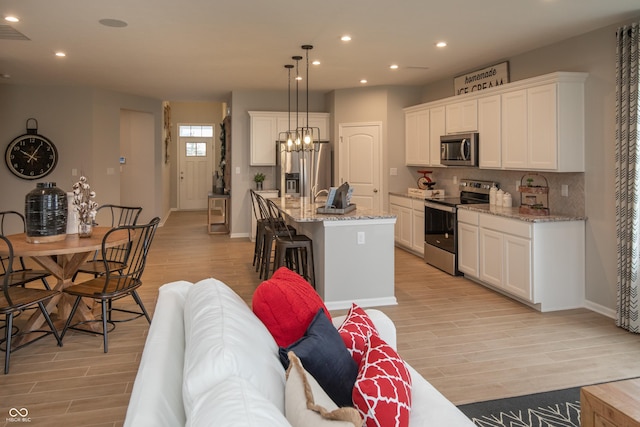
(492, 194)
(507, 201)
(499, 196)
(46, 209)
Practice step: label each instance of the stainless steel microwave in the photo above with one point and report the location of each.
(460, 149)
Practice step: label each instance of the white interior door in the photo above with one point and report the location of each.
(195, 175)
(360, 157)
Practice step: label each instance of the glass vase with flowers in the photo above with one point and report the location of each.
(85, 207)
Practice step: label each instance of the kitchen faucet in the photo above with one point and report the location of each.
(323, 191)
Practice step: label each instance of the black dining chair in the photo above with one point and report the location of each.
(115, 284)
(15, 299)
(21, 275)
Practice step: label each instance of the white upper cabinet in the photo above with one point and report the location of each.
(423, 128)
(263, 136)
(462, 116)
(542, 127)
(267, 127)
(531, 124)
(417, 138)
(489, 121)
(437, 125)
(514, 130)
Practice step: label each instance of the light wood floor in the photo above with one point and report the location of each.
(469, 342)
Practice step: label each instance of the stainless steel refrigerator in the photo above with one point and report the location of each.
(304, 173)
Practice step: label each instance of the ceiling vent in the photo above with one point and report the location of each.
(9, 33)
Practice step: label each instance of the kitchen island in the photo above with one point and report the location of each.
(354, 252)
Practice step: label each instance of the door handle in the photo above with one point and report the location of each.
(375, 190)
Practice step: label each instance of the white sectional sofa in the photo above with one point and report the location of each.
(216, 364)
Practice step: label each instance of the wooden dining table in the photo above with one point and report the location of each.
(63, 259)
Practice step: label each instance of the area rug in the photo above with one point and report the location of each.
(560, 408)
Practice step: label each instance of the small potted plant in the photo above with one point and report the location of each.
(259, 178)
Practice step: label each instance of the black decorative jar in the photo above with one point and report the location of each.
(45, 210)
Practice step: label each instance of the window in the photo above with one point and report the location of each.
(196, 130)
(196, 149)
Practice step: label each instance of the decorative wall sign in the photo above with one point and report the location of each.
(486, 78)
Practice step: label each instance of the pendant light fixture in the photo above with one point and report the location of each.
(310, 141)
(297, 140)
(288, 135)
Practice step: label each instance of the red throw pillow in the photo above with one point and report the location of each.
(382, 392)
(286, 304)
(354, 331)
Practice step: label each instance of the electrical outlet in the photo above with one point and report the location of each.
(564, 190)
(74, 172)
(455, 179)
(393, 171)
(361, 237)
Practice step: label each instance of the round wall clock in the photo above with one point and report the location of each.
(31, 156)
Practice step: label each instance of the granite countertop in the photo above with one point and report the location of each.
(301, 209)
(514, 213)
(407, 195)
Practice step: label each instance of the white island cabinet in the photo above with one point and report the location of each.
(538, 260)
(353, 253)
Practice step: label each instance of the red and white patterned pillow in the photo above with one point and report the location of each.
(382, 392)
(355, 329)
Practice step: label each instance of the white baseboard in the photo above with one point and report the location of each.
(605, 311)
(239, 235)
(364, 303)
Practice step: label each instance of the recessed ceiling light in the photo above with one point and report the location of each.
(345, 38)
(116, 23)
(363, 81)
(5, 76)
(61, 54)
(11, 19)
(441, 44)
(316, 62)
(394, 66)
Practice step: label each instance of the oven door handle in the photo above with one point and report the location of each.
(439, 207)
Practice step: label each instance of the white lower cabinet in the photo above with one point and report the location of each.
(417, 222)
(541, 263)
(468, 243)
(409, 228)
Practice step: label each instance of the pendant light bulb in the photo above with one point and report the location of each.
(307, 137)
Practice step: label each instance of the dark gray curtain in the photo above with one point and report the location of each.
(627, 174)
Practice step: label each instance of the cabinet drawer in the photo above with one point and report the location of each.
(400, 201)
(509, 226)
(417, 205)
(468, 217)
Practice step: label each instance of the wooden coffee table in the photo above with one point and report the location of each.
(615, 404)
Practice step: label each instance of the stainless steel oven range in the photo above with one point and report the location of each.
(441, 224)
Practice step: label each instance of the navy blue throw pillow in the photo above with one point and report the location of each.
(325, 356)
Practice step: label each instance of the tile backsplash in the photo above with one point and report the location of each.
(572, 205)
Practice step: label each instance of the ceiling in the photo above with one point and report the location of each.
(201, 50)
